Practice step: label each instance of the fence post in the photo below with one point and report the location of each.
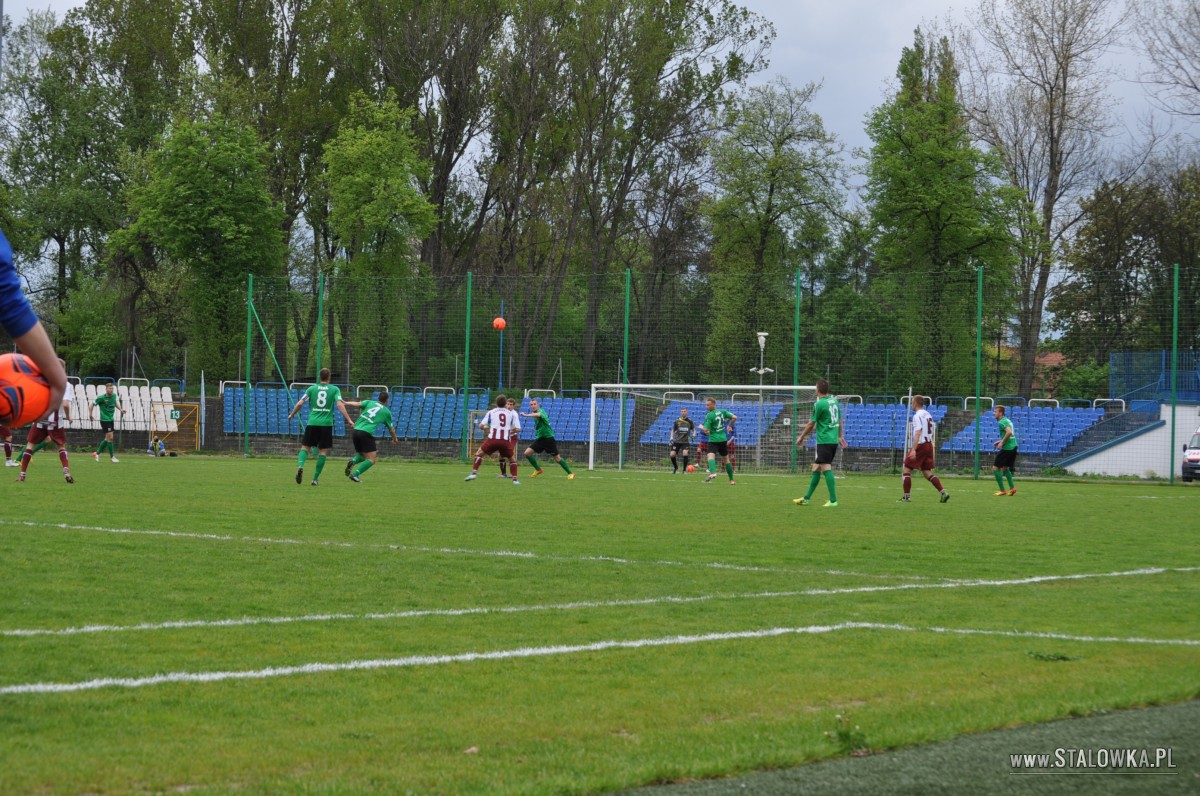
(320, 322)
(795, 380)
(1174, 365)
(978, 358)
(624, 372)
(467, 377)
(246, 403)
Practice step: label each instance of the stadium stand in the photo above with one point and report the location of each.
(747, 428)
(1040, 430)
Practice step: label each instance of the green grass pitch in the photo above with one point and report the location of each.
(207, 626)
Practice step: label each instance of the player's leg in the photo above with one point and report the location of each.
(1008, 473)
(937, 483)
(533, 462)
(906, 478)
(830, 484)
(685, 459)
(8, 450)
(511, 453)
(62, 457)
(674, 460)
(998, 474)
(563, 464)
(729, 466)
(367, 463)
(112, 450)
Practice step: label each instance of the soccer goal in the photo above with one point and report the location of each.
(630, 425)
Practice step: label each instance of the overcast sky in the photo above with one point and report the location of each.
(852, 47)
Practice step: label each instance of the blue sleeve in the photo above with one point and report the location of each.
(16, 316)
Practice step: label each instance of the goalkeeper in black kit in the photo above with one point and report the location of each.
(682, 431)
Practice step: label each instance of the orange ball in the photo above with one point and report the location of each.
(691, 468)
(24, 392)
(499, 323)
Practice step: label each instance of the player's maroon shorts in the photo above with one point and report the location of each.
(921, 458)
(504, 447)
(56, 435)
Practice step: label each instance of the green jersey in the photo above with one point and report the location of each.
(715, 423)
(373, 414)
(108, 406)
(1011, 442)
(541, 425)
(322, 398)
(827, 418)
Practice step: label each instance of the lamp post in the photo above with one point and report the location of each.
(761, 371)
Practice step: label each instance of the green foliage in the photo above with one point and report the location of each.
(1084, 380)
(777, 180)
(377, 211)
(95, 342)
(205, 203)
(849, 738)
(941, 210)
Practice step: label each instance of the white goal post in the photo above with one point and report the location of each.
(629, 424)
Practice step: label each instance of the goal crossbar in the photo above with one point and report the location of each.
(766, 393)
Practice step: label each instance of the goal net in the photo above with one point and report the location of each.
(630, 425)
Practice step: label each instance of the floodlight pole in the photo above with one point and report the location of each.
(761, 371)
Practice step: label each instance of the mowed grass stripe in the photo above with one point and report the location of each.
(534, 652)
(571, 606)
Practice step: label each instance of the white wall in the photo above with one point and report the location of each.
(1148, 455)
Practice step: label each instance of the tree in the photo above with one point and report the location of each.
(1170, 34)
(941, 209)
(206, 204)
(777, 179)
(1036, 91)
(380, 216)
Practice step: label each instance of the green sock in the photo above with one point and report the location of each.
(832, 488)
(712, 466)
(320, 467)
(358, 457)
(302, 458)
(362, 468)
(812, 484)
(563, 464)
(100, 447)
(41, 445)
(533, 462)
(729, 469)
(1008, 475)
(999, 478)
(112, 451)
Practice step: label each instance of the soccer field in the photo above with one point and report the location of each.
(205, 625)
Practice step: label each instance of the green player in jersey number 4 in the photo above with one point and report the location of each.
(322, 399)
(716, 426)
(109, 405)
(827, 421)
(374, 413)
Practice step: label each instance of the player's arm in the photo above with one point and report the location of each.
(341, 405)
(296, 408)
(1000, 442)
(808, 427)
(36, 345)
(92, 413)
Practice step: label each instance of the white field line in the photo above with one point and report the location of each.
(536, 652)
(571, 606)
(214, 537)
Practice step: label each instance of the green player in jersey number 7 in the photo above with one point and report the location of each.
(715, 425)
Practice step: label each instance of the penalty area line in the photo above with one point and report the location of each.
(533, 652)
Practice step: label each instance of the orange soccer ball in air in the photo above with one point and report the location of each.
(24, 392)
(691, 468)
(499, 324)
